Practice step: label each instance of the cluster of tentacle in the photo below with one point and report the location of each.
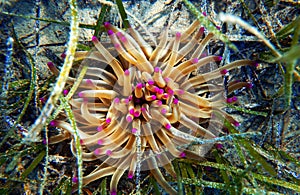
(143, 106)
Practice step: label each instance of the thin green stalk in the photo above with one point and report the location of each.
(104, 10)
(208, 24)
(288, 82)
(72, 120)
(236, 20)
(244, 110)
(268, 179)
(250, 14)
(45, 174)
(123, 13)
(34, 164)
(178, 176)
(184, 168)
(36, 128)
(291, 64)
(65, 105)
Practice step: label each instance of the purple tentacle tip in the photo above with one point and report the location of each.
(110, 32)
(94, 39)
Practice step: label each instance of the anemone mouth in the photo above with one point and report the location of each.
(142, 107)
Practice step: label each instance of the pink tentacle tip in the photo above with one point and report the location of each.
(130, 175)
(106, 24)
(100, 128)
(218, 27)
(117, 46)
(180, 91)
(249, 85)
(139, 85)
(175, 101)
(50, 64)
(160, 91)
(100, 142)
(81, 141)
(89, 82)
(168, 126)
(219, 58)
(113, 192)
(53, 123)
(170, 92)
(204, 13)
(126, 101)
(236, 124)
(63, 55)
(129, 118)
(136, 114)
(229, 100)
(81, 94)
(97, 151)
(65, 92)
(164, 111)
(42, 99)
(178, 35)
(133, 130)
(123, 39)
(75, 179)
(108, 152)
(202, 29)
(119, 34)
(94, 39)
(131, 111)
(157, 69)
(182, 155)
(44, 141)
(195, 60)
(117, 100)
(153, 97)
(219, 146)
(127, 72)
(225, 71)
(108, 120)
(159, 103)
(151, 82)
(156, 89)
(110, 32)
(165, 96)
(167, 79)
(234, 99)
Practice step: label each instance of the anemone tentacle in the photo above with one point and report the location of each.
(148, 98)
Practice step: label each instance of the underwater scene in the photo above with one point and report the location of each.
(117, 97)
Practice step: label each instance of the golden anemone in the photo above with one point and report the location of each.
(141, 108)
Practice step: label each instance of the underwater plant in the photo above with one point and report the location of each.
(138, 109)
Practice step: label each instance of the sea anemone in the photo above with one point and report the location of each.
(141, 108)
